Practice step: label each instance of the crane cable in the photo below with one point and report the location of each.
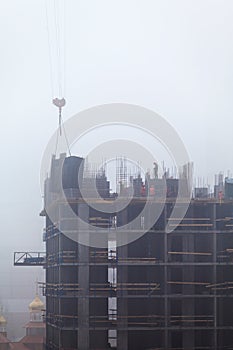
(54, 21)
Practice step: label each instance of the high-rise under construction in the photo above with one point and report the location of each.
(165, 290)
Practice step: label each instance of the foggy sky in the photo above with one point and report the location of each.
(172, 56)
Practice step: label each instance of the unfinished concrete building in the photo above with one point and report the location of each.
(162, 291)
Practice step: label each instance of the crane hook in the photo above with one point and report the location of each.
(59, 103)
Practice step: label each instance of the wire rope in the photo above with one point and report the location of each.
(55, 25)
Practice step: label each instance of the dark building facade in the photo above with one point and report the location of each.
(165, 290)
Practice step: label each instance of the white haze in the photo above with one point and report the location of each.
(174, 57)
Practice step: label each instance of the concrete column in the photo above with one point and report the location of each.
(167, 343)
(188, 305)
(122, 300)
(215, 345)
(83, 281)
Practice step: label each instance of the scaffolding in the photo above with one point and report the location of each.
(29, 258)
(163, 291)
(186, 267)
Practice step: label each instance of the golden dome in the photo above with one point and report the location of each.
(36, 304)
(2, 320)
